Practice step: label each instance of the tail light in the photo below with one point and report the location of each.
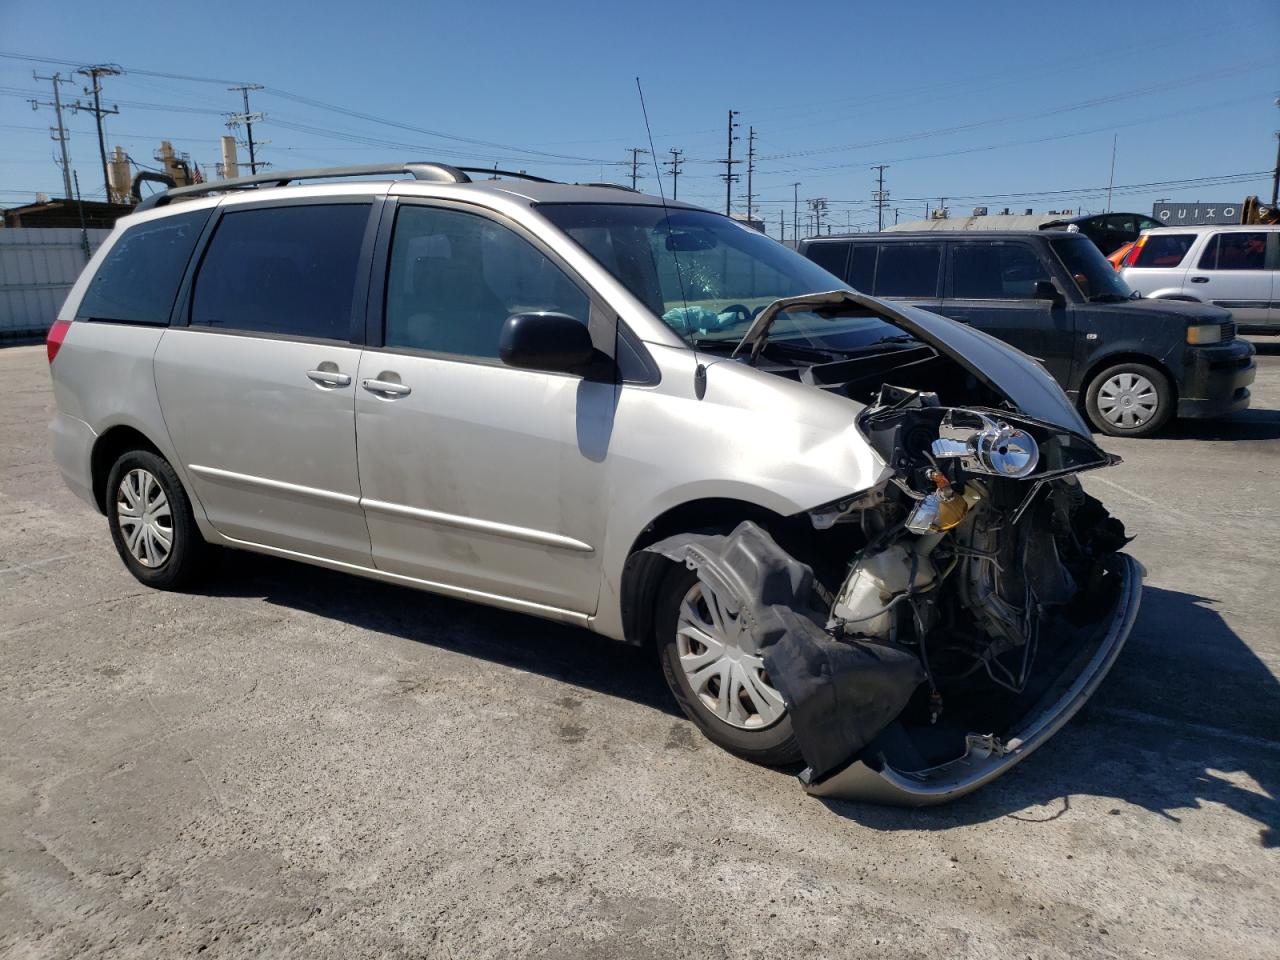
(57, 333)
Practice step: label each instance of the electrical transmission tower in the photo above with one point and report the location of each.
(58, 133)
(880, 195)
(95, 75)
(677, 158)
(248, 118)
(635, 164)
(729, 177)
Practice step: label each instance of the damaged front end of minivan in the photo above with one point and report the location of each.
(980, 599)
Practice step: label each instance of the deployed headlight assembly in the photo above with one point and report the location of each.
(987, 446)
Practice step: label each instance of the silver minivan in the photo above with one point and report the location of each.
(1237, 267)
(853, 531)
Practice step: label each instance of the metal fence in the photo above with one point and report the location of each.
(38, 266)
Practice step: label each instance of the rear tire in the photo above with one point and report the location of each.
(151, 522)
(1129, 400)
(751, 724)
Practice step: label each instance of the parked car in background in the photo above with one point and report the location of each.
(1235, 267)
(1130, 363)
(1116, 257)
(1108, 231)
(824, 513)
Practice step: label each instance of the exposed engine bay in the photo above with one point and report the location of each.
(930, 631)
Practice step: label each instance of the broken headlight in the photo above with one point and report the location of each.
(986, 445)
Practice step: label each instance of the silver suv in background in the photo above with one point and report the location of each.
(852, 530)
(1236, 267)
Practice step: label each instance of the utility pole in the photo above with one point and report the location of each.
(751, 166)
(59, 133)
(677, 158)
(635, 164)
(896, 211)
(819, 206)
(248, 118)
(95, 75)
(782, 226)
(795, 212)
(1275, 177)
(880, 196)
(1115, 141)
(729, 177)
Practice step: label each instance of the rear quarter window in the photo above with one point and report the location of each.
(139, 278)
(1164, 250)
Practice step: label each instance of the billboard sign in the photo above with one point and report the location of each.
(1195, 214)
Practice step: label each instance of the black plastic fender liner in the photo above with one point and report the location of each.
(840, 694)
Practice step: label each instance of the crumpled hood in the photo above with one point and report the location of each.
(1007, 370)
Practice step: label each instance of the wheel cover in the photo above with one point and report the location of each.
(722, 665)
(144, 517)
(1128, 400)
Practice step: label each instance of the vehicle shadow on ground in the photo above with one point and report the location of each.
(1186, 718)
(564, 653)
(1245, 425)
(1187, 706)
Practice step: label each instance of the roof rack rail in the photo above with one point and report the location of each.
(611, 186)
(432, 172)
(495, 173)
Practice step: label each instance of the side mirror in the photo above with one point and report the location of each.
(1045, 290)
(554, 342)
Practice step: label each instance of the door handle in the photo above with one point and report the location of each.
(386, 388)
(1199, 279)
(329, 378)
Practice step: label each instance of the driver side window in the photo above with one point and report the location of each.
(454, 278)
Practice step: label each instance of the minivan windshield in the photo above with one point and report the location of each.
(707, 276)
(1096, 279)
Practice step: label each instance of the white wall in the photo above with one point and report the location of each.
(38, 266)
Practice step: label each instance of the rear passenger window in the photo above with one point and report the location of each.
(908, 270)
(456, 277)
(830, 256)
(994, 271)
(140, 276)
(282, 270)
(862, 267)
(1238, 250)
(1164, 249)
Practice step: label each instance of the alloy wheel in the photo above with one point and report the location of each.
(723, 667)
(144, 517)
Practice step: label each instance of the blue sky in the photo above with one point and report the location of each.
(996, 103)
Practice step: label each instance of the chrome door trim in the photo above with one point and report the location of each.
(559, 614)
(228, 476)
(482, 526)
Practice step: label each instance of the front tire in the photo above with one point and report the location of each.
(1129, 400)
(717, 676)
(151, 522)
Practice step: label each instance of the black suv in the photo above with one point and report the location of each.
(1130, 363)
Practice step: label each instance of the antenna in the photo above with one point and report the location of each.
(700, 374)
